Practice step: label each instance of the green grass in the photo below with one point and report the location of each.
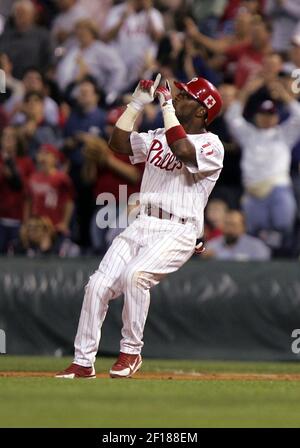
(49, 402)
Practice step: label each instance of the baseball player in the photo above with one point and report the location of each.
(182, 164)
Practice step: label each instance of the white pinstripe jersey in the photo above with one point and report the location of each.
(167, 183)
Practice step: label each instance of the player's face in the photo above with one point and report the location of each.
(185, 106)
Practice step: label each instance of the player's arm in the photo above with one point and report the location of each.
(120, 141)
(143, 94)
(176, 136)
(184, 150)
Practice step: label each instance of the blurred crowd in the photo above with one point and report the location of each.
(70, 66)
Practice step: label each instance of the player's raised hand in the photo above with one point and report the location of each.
(164, 94)
(144, 92)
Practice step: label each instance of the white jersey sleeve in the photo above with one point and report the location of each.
(209, 154)
(140, 144)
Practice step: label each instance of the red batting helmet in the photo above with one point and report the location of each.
(205, 93)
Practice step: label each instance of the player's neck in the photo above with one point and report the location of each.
(193, 129)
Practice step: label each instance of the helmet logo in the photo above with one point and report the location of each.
(209, 102)
(192, 80)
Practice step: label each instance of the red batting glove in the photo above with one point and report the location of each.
(144, 92)
(164, 94)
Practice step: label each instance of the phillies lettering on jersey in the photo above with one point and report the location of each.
(166, 162)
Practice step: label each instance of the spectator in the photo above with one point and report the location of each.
(86, 117)
(235, 244)
(25, 43)
(241, 35)
(63, 26)
(181, 58)
(229, 186)
(215, 213)
(15, 169)
(38, 237)
(134, 28)
(269, 203)
(33, 81)
(285, 15)
(271, 69)
(14, 88)
(244, 61)
(50, 191)
(232, 9)
(36, 130)
(92, 57)
(208, 13)
(194, 64)
(108, 171)
(292, 83)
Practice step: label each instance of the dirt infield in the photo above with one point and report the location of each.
(177, 376)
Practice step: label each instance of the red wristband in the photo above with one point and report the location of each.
(174, 134)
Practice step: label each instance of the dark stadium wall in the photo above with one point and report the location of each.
(207, 310)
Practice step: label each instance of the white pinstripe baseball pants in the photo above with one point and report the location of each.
(138, 259)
